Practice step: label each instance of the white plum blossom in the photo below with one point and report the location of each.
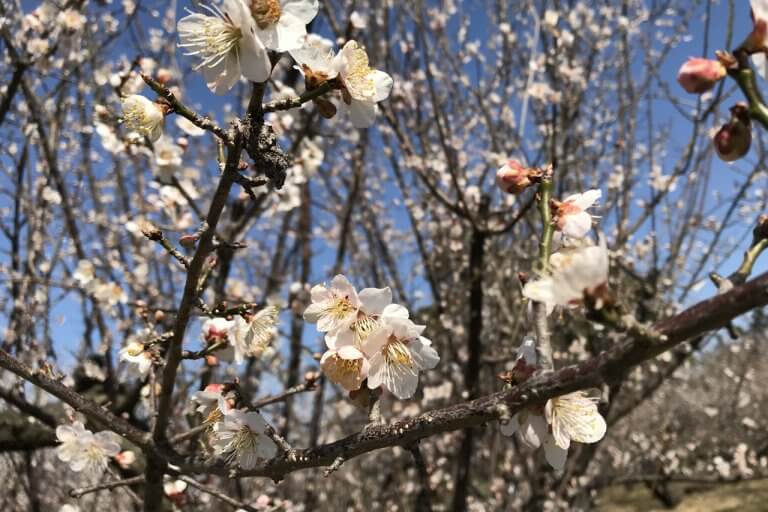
(348, 366)
(361, 86)
(333, 308)
(250, 338)
(397, 353)
(534, 432)
(167, 157)
(208, 399)
(574, 273)
(84, 273)
(217, 330)
(134, 353)
(530, 423)
(226, 44)
(189, 127)
(241, 437)
(574, 417)
(85, 451)
(571, 217)
(282, 24)
(143, 117)
(374, 303)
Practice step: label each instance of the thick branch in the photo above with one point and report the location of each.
(704, 316)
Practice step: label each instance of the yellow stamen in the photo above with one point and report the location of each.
(396, 352)
(265, 12)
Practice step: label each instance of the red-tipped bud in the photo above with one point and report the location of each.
(732, 141)
(513, 177)
(188, 241)
(698, 75)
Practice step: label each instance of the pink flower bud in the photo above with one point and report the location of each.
(698, 76)
(732, 141)
(188, 241)
(513, 177)
(214, 388)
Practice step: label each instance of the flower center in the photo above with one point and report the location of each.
(214, 417)
(137, 118)
(396, 352)
(214, 41)
(245, 440)
(358, 79)
(342, 370)
(363, 327)
(265, 12)
(340, 307)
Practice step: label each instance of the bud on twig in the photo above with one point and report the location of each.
(513, 177)
(698, 75)
(732, 141)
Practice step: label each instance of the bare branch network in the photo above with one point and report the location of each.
(528, 229)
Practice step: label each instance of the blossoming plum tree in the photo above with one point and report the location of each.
(527, 238)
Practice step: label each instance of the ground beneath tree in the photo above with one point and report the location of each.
(748, 496)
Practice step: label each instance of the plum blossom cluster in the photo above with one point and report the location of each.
(241, 337)
(571, 417)
(699, 75)
(239, 436)
(85, 451)
(577, 274)
(369, 339)
(232, 40)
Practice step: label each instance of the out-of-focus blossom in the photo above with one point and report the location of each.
(143, 116)
(134, 353)
(575, 272)
(252, 337)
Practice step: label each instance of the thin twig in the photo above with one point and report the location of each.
(82, 491)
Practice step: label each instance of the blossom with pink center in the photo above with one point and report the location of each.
(570, 215)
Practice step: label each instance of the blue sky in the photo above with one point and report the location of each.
(725, 175)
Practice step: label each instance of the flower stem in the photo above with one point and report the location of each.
(545, 250)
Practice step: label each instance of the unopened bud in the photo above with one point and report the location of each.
(698, 75)
(150, 231)
(188, 241)
(311, 377)
(513, 177)
(733, 139)
(159, 316)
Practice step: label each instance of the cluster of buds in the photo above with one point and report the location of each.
(733, 139)
(514, 177)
